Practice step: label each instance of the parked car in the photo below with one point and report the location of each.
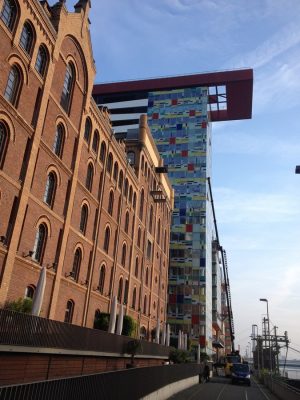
(240, 373)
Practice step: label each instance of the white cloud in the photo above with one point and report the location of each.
(274, 46)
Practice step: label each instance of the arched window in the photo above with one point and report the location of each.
(151, 219)
(9, 13)
(69, 311)
(50, 189)
(145, 304)
(101, 279)
(40, 243)
(123, 259)
(134, 201)
(76, 264)
(116, 171)
(120, 290)
(96, 140)
(13, 86)
(41, 60)
(87, 130)
(59, 140)
(83, 218)
(141, 205)
(111, 203)
(106, 239)
(158, 232)
(136, 271)
(109, 163)
(133, 298)
(68, 87)
(130, 194)
(165, 241)
(126, 222)
(89, 177)
(102, 152)
(29, 291)
(3, 142)
(126, 188)
(120, 180)
(26, 39)
(147, 276)
(131, 157)
(139, 236)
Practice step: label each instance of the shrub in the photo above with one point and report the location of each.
(22, 305)
(129, 326)
(102, 322)
(178, 356)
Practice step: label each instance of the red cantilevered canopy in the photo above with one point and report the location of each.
(230, 92)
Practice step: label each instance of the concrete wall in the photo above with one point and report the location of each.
(168, 391)
(281, 390)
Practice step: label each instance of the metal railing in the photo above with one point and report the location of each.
(17, 329)
(127, 384)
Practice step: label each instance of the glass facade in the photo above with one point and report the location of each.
(179, 123)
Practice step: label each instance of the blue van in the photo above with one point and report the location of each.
(240, 373)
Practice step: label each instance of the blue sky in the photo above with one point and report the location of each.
(255, 189)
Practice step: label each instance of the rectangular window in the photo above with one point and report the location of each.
(12, 219)
(36, 109)
(74, 152)
(67, 197)
(25, 160)
(58, 247)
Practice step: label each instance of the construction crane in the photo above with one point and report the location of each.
(225, 270)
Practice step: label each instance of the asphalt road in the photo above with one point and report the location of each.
(222, 389)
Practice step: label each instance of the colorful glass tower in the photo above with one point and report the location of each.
(180, 114)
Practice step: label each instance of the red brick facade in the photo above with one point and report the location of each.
(46, 156)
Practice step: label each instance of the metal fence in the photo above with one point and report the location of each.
(127, 384)
(25, 330)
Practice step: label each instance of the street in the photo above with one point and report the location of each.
(222, 389)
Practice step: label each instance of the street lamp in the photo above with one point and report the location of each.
(265, 300)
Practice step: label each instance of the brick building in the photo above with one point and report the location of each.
(96, 212)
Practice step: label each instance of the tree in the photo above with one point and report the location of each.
(132, 348)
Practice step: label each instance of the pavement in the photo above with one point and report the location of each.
(219, 388)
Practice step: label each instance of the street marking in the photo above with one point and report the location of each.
(246, 395)
(221, 392)
(266, 396)
(196, 392)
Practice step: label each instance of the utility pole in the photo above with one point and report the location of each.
(258, 343)
(276, 350)
(264, 343)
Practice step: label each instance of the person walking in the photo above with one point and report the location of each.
(206, 373)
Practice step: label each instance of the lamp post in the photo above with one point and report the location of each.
(269, 333)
